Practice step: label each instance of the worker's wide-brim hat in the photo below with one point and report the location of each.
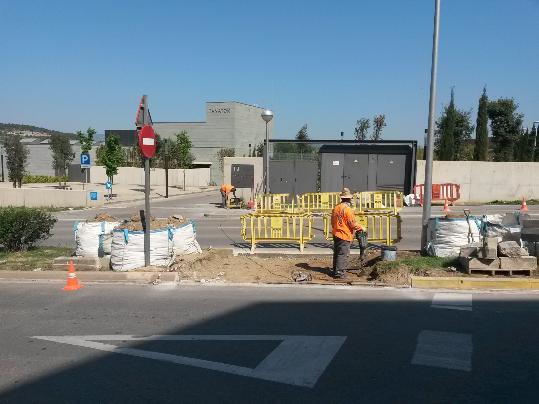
(345, 194)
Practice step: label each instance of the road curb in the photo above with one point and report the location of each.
(457, 282)
(92, 276)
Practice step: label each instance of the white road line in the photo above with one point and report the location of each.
(447, 350)
(452, 301)
(298, 360)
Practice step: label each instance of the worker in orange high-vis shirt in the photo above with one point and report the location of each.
(226, 189)
(343, 223)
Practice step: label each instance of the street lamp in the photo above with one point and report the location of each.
(2, 160)
(167, 152)
(536, 126)
(267, 116)
(430, 132)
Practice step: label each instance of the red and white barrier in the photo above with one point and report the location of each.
(440, 193)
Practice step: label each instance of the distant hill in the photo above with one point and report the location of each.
(30, 130)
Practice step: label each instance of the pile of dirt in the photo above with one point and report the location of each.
(220, 266)
(134, 223)
(103, 217)
(214, 266)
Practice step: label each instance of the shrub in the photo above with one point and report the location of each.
(42, 179)
(21, 228)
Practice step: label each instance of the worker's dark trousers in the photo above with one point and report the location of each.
(341, 250)
(223, 199)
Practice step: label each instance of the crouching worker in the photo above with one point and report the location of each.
(226, 189)
(343, 223)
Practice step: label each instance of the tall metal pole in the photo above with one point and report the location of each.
(147, 215)
(166, 168)
(267, 161)
(535, 125)
(2, 164)
(427, 198)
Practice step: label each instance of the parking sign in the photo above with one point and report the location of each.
(85, 160)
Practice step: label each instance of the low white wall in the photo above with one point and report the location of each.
(194, 177)
(485, 181)
(42, 198)
(257, 162)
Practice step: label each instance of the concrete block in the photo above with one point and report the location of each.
(516, 263)
(470, 250)
(479, 263)
(511, 249)
(490, 248)
(81, 263)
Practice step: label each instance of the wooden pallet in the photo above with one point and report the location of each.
(498, 271)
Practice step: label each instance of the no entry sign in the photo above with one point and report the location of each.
(146, 141)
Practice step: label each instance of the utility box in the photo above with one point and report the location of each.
(242, 175)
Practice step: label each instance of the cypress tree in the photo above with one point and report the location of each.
(481, 131)
(447, 140)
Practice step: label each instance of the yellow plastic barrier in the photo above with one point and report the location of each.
(272, 202)
(379, 226)
(389, 201)
(319, 202)
(277, 227)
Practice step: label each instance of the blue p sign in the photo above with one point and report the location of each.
(85, 160)
(108, 185)
(93, 196)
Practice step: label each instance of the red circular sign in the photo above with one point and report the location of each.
(147, 141)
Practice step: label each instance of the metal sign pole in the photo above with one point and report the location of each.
(147, 144)
(147, 212)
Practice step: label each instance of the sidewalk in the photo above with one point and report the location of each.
(124, 193)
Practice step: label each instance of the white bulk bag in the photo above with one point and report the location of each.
(128, 249)
(447, 235)
(92, 239)
(185, 241)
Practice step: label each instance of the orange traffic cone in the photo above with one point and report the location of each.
(523, 206)
(72, 281)
(446, 207)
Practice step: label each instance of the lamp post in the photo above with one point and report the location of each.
(535, 125)
(167, 151)
(267, 116)
(2, 160)
(430, 135)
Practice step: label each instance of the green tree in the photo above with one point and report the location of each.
(446, 131)
(524, 146)
(378, 125)
(222, 153)
(112, 156)
(481, 131)
(505, 126)
(16, 158)
(182, 150)
(303, 136)
(86, 140)
(62, 154)
(258, 150)
(362, 128)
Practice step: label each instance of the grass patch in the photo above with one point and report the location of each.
(420, 263)
(38, 257)
(515, 202)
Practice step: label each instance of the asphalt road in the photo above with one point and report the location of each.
(222, 228)
(265, 345)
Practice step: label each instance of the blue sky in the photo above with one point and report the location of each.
(68, 65)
